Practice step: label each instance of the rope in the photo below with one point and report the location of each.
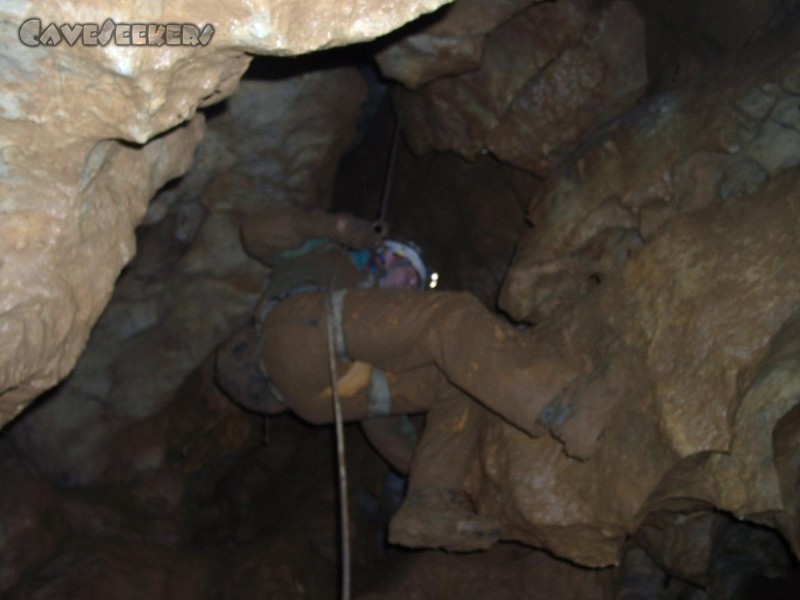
(344, 509)
(387, 182)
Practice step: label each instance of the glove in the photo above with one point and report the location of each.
(356, 233)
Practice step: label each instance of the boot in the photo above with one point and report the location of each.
(442, 518)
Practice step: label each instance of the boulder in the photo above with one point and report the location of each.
(549, 77)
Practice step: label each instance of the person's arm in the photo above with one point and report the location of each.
(272, 231)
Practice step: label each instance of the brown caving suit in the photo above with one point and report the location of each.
(439, 352)
(307, 248)
(425, 342)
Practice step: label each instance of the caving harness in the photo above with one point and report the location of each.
(379, 401)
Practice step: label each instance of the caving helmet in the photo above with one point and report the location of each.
(410, 252)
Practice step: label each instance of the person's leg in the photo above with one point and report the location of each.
(293, 349)
(394, 438)
(507, 370)
(436, 512)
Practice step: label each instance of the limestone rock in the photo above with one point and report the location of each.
(287, 136)
(686, 40)
(276, 143)
(713, 550)
(529, 102)
(677, 285)
(449, 42)
(78, 164)
(690, 361)
(60, 263)
(718, 140)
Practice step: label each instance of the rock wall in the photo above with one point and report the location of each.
(570, 65)
(90, 133)
(275, 142)
(681, 151)
(451, 42)
(121, 461)
(664, 259)
(681, 395)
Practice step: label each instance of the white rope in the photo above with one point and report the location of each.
(387, 182)
(344, 510)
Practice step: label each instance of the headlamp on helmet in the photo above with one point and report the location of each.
(413, 254)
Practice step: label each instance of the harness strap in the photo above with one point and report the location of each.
(337, 306)
(379, 398)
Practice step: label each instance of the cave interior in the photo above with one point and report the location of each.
(545, 155)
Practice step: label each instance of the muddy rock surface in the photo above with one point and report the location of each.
(638, 431)
(703, 146)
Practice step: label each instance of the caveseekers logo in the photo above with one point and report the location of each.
(121, 34)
